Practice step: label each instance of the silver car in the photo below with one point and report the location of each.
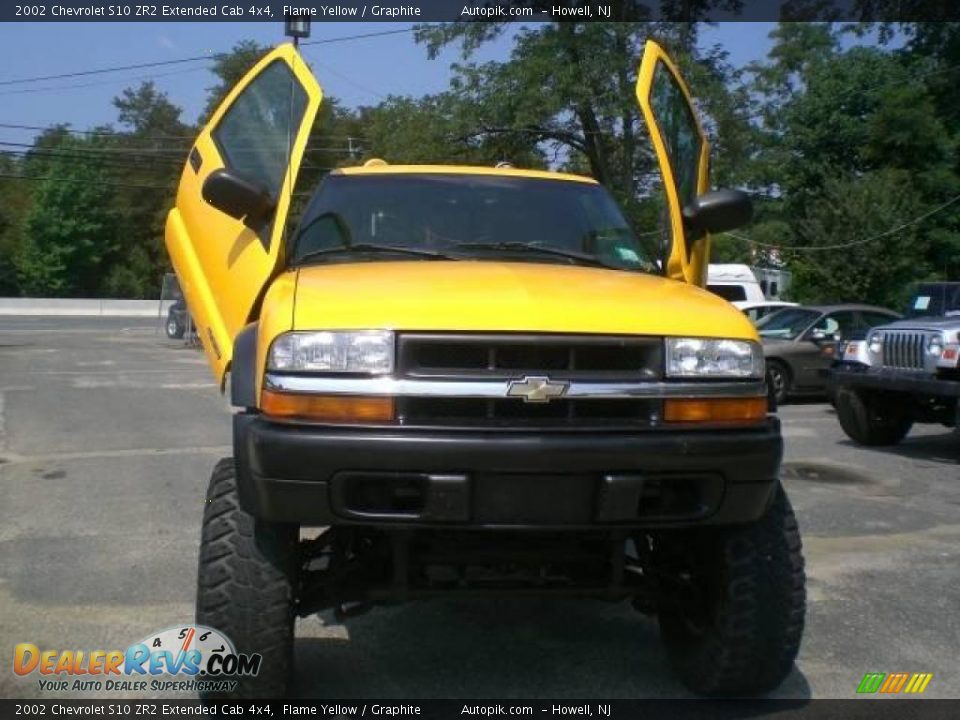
(796, 341)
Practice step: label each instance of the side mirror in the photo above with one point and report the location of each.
(819, 335)
(238, 197)
(718, 211)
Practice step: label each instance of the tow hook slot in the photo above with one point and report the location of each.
(401, 496)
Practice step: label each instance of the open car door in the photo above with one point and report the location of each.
(683, 154)
(225, 234)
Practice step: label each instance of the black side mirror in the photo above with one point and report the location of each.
(238, 197)
(717, 211)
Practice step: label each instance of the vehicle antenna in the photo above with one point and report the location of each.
(295, 28)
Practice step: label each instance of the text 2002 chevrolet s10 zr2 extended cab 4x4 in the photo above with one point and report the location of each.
(477, 381)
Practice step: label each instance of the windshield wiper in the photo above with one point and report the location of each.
(542, 249)
(374, 248)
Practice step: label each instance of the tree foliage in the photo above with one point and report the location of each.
(70, 229)
(840, 137)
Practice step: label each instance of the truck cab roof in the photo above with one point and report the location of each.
(382, 168)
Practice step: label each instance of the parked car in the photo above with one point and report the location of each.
(756, 311)
(794, 338)
(903, 372)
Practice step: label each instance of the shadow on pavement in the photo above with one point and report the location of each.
(941, 448)
(505, 648)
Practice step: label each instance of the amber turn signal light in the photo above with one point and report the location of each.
(676, 410)
(327, 408)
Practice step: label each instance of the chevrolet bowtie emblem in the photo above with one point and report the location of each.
(537, 389)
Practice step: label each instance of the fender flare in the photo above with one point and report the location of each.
(243, 368)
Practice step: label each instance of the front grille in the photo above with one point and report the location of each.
(515, 413)
(513, 356)
(903, 350)
(568, 357)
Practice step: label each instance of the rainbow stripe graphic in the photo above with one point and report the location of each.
(893, 683)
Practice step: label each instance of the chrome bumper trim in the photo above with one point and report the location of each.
(497, 389)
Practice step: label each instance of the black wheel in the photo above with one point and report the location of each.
(871, 419)
(734, 623)
(174, 329)
(778, 380)
(246, 584)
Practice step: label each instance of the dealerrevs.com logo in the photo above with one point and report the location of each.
(191, 658)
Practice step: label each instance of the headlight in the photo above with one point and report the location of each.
(935, 346)
(700, 357)
(365, 351)
(875, 343)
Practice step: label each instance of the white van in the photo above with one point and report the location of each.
(734, 282)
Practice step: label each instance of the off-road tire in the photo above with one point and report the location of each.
(871, 420)
(779, 389)
(246, 584)
(753, 614)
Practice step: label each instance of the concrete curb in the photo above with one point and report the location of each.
(89, 307)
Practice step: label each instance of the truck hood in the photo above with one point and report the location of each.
(470, 295)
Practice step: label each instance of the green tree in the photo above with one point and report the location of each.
(838, 129)
(229, 68)
(849, 212)
(70, 229)
(437, 129)
(150, 152)
(147, 112)
(15, 198)
(568, 95)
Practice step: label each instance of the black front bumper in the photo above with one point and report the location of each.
(919, 384)
(523, 480)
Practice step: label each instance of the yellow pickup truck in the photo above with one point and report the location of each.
(478, 381)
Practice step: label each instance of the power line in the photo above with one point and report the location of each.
(158, 164)
(180, 61)
(126, 152)
(128, 136)
(112, 81)
(842, 246)
(345, 78)
(11, 176)
(95, 133)
(133, 163)
(160, 153)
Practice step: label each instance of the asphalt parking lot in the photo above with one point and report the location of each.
(108, 433)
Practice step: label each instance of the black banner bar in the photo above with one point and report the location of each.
(480, 10)
(860, 709)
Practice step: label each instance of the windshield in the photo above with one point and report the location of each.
(467, 216)
(787, 323)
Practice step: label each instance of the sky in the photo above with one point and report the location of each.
(358, 72)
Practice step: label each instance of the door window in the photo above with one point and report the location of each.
(679, 130)
(257, 131)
